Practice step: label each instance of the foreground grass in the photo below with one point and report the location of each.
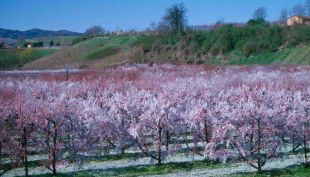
(298, 171)
(94, 167)
(182, 168)
(179, 167)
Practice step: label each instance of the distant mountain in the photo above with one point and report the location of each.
(34, 33)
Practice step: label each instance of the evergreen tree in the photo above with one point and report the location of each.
(51, 43)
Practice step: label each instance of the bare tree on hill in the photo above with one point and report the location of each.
(283, 16)
(299, 9)
(21, 40)
(307, 3)
(260, 14)
(93, 31)
(176, 17)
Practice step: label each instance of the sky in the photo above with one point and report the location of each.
(114, 15)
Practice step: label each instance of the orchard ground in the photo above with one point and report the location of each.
(137, 120)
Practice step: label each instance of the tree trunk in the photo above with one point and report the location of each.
(26, 166)
(167, 140)
(122, 152)
(305, 152)
(295, 146)
(0, 155)
(305, 146)
(259, 166)
(186, 137)
(67, 74)
(259, 169)
(159, 145)
(54, 151)
(24, 145)
(206, 130)
(293, 143)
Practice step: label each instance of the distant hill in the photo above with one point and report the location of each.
(34, 33)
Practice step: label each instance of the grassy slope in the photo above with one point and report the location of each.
(45, 52)
(294, 56)
(77, 56)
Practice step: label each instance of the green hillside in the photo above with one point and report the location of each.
(294, 56)
(98, 53)
(94, 53)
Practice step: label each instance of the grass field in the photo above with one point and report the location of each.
(45, 52)
(99, 43)
(11, 58)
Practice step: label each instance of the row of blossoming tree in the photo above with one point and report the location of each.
(237, 113)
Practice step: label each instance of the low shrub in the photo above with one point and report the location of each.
(28, 56)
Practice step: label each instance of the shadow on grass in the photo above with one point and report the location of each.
(140, 170)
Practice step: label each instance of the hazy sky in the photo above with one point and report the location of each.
(78, 15)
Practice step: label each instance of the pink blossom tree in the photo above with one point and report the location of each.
(19, 111)
(52, 124)
(253, 126)
(7, 145)
(158, 122)
(7, 91)
(298, 117)
(199, 117)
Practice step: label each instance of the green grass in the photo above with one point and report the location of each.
(294, 56)
(142, 170)
(120, 157)
(99, 48)
(103, 53)
(297, 171)
(270, 58)
(173, 167)
(125, 41)
(10, 58)
(146, 41)
(45, 52)
(94, 43)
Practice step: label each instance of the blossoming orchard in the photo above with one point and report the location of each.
(226, 114)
